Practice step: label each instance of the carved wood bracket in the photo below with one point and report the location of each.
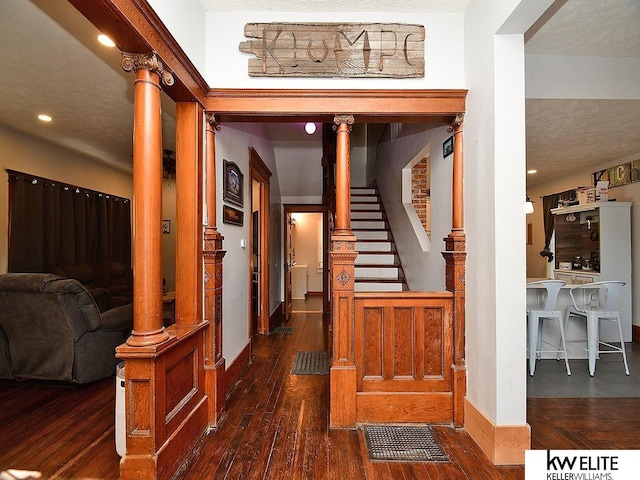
(139, 61)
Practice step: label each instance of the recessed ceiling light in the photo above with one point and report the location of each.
(532, 171)
(44, 117)
(106, 41)
(310, 128)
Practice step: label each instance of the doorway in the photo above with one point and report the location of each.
(259, 246)
(306, 253)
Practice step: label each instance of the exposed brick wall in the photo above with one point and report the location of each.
(421, 191)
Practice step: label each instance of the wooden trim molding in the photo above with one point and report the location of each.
(503, 444)
(261, 174)
(135, 27)
(276, 316)
(237, 366)
(367, 106)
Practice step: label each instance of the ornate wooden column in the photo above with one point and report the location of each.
(147, 196)
(165, 403)
(343, 375)
(455, 256)
(214, 362)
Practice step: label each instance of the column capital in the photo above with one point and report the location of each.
(142, 61)
(340, 119)
(212, 121)
(457, 123)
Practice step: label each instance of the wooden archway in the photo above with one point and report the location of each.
(345, 107)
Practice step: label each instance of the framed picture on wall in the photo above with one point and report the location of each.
(233, 183)
(232, 215)
(447, 147)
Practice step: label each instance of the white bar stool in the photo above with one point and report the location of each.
(598, 303)
(536, 314)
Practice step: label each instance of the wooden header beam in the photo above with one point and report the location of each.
(368, 106)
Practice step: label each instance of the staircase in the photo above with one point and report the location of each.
(377, 266)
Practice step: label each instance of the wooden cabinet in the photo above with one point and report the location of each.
(577, 277)
(600, 232)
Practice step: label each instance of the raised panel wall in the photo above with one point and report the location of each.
(403, 347)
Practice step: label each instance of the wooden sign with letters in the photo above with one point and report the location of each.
(391, 50)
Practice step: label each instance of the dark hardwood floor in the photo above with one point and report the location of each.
(276, 428)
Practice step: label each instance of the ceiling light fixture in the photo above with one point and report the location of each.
(45, 118)
(310, 128)
(528, 206)
(106, 41)
(532, 171)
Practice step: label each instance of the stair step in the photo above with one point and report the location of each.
(371, 234)
(373, 246)
(364, 199)
(355, 206)
(376, 272)
(367, 215)
(376, 259)
(363, 191)
(377, 287)
(368, 225)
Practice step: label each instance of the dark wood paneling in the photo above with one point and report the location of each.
(403, 343)
(372, 338)
(575, 239)
(403, 346)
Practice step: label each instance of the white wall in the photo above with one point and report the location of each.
(400, 143)
(187, 23)
(564, 76)
(494, 133)
(537, 265)
(227, 67)
(302, 162)
(358, 160)
(232, 143)
(26, 154)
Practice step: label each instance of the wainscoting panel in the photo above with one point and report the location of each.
(403, 354)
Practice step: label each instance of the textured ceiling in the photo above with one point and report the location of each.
(568, 135)
(46, 44)
(605, 28)
(430, 6)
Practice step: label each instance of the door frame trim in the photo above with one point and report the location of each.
(260, 173)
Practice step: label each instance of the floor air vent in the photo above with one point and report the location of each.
(403, 444)
(310, 363)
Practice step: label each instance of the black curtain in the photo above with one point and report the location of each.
(549, 202)
(52, 223)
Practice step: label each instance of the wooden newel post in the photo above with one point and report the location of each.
(147, 195)
(214, 362)
(343, 375)
(455, 257)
